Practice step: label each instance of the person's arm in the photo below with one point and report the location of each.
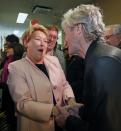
(73, 123)
(67, 90)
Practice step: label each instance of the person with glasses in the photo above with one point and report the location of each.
(52, 48)
(84, 28)
(113, 35)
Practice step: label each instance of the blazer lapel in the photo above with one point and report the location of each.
(40, 81)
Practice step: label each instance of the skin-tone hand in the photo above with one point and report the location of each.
(64, 112)
(72, 103)
(62, 116)
(55, 111)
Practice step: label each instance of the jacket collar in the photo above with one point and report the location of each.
(92, 46)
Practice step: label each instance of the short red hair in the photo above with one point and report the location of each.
(32, 28)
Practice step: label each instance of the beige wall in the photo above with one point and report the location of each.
(111, 10)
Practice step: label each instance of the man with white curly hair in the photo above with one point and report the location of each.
(84, 27)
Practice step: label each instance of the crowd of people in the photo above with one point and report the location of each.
(47, 90)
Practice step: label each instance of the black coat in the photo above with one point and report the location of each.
(102, 90)
(75, 75)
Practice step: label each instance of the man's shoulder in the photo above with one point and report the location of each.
(58, 52)
(108, 48)
(104, 50)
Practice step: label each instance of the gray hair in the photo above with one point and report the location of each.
(89, 16)
(116, 29)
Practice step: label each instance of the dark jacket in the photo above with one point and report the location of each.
(102, 90)
(75, 75)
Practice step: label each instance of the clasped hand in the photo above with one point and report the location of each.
(61, 113)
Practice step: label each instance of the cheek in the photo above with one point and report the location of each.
(45, 46)
(67, 39)
(113, 41)
(32, 44)
(70, 47)
(10, 52)
(30, 48)
(25, 45)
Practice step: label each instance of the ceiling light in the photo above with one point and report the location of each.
(15, 32)
(41, 9)
(21, 17)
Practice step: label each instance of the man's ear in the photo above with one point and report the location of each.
(79, 29)
(119, 38)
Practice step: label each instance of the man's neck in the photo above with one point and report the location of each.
(84, 47)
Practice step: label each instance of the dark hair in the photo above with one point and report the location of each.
(52, 27)
(12, 38)
(18, 51)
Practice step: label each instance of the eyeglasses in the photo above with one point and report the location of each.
(53, 36)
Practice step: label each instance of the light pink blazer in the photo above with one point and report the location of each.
(32, 92)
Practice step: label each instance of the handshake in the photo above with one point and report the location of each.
(61, 113)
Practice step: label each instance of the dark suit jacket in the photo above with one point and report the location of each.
(75, 75)
(102, 90)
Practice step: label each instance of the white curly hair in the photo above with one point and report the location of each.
(89, 16)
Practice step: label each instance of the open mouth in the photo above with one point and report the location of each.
(40, 50)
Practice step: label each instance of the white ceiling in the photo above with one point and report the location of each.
(9, 10)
